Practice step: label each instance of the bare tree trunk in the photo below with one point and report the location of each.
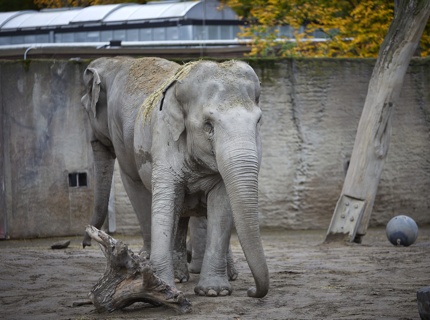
(352, 214)
(130, 278)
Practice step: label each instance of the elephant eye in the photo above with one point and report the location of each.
(208, 128)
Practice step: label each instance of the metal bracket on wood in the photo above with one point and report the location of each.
(346, 219)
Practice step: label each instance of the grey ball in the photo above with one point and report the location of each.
(402, 231)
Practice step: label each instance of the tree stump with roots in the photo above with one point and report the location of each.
(130, 278)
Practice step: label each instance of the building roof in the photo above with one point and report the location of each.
(114, 14)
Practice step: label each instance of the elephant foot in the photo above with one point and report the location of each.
(181, 276)
(232, 272)
(217, 286)
(231, 267)
(180, 268)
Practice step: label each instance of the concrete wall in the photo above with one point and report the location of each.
(44, 139)
(311, 111)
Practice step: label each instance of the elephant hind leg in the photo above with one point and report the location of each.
(180, 251)
(141, 201)
(198, 230)
(231, 267)
(197, 245)
(104, 161)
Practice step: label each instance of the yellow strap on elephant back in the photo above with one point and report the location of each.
(154, 98)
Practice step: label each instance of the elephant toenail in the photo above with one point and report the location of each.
(212, 293)
(224, 292)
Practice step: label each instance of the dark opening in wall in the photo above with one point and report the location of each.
(78, 179)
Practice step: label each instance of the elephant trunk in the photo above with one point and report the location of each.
(238, 165)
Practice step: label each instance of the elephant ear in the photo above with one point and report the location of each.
(173, 111)
(92, 84)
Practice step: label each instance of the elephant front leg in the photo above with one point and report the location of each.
(167, 203)
(213, 276)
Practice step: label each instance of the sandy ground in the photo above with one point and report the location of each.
(309, 280)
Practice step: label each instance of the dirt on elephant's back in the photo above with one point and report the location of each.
(309, 280)
(147, 74)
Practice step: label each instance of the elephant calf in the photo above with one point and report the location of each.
(187, 142)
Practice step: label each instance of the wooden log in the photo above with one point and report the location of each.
(374, 129)
(130, 278)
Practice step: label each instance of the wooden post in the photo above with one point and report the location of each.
(354, 207)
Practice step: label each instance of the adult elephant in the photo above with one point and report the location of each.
(187, 140)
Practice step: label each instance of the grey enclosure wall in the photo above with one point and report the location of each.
(311, 113)
(311, 110)
(44, 140)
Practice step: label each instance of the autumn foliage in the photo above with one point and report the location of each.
(354, 28)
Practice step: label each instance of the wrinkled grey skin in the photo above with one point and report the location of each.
(196, 248)
(104, 157)
(198, 151)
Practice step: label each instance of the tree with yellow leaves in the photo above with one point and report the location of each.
(351, 28)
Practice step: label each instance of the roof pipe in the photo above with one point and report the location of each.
(26, 51)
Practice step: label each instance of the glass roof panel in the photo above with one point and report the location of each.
(122, 14)
(179, 9)
(17, 21)
(96, 13)
(6, 16)
(148, 12)
(48, 18)
(38, 19)
(162, 10)
(64, 17)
